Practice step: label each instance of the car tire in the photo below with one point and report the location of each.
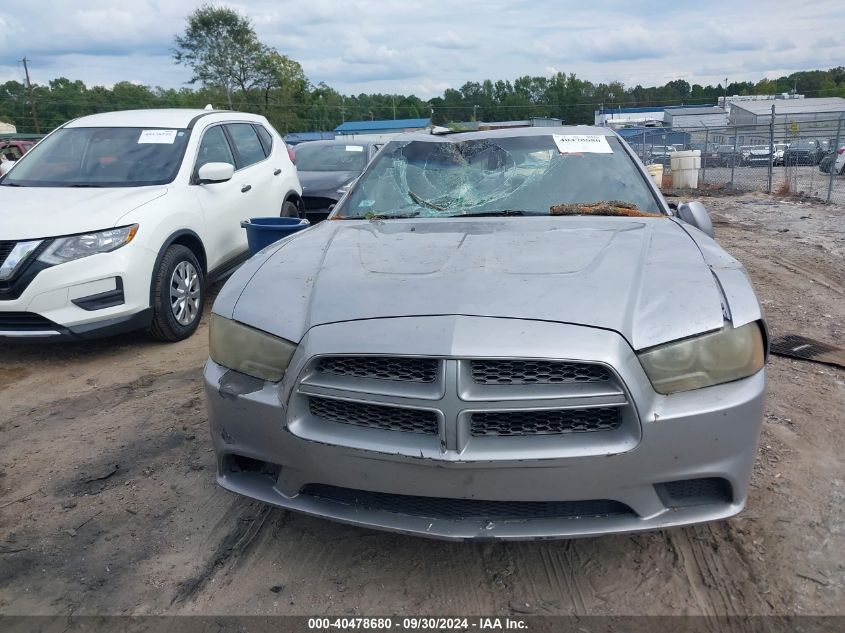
(290, 210)
(178, 295)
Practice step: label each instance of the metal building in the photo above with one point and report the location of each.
(792, 110)
(695, 117)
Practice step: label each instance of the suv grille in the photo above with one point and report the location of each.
(374, 416)
(5, 248)
(443, 508)
(550, 422)
(521, 372)
(24, 322)
(312, 203)
(382, 368)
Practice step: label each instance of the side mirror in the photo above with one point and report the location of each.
(695, 214)
(5, 166)
(215, 172)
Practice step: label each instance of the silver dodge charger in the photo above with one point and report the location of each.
(496, 335)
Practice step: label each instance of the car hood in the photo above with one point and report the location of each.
(644, 278)
(321, 183)
(36, 212)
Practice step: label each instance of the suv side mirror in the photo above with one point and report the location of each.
(695, 214)
(5, 166)
(215, 172)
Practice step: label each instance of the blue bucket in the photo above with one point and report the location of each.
(261, 232)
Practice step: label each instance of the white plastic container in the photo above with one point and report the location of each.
(656, 172)
(685, 167)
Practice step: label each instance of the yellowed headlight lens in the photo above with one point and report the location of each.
(703, 361)
(247, 350)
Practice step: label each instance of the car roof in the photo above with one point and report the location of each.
(166, 117)
(510, 133)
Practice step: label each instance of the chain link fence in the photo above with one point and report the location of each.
(783, 156)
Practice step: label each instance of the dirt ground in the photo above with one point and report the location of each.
(108, 503)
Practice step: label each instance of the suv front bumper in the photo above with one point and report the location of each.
(92, 297)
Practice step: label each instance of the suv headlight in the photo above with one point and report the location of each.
(66, 249)
(247, 350)
(703, 361)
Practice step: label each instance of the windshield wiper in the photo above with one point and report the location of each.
(373, 215)
(491, 214)
(87, 186)
(391, 216)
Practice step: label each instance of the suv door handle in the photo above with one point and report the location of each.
(277, 172)
(246, 188)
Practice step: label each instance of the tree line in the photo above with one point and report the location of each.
(231, 68)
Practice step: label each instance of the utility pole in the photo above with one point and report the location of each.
(31, 98)
(474, 115)
(725, 104)
(393, 98)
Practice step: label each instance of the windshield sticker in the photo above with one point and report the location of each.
(366, 203)
(354, 148)
(166, 137)
(582, 144)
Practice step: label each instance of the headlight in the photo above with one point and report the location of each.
(66, 249)
(703, 361)
(247, 350)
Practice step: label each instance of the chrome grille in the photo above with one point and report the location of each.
(380, 367)
(374, 416)
(521, 372)
(548, 407)
(551, 422)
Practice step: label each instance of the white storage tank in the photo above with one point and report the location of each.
(685, 166)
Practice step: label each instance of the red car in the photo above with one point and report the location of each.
(13, 149)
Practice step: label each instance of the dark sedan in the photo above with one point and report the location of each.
(326, 169)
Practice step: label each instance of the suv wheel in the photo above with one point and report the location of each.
(178, 295)
(290, 210)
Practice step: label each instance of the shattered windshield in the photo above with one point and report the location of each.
(520, 175)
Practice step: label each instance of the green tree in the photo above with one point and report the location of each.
(221, 48)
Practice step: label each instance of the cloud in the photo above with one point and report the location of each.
(452, 41)
(426, 45)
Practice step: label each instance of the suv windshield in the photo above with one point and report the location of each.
(520, 175)
(348, 157)
(101, 157)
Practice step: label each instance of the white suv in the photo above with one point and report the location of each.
(117, 222)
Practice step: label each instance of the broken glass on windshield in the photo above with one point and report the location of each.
(516, 175)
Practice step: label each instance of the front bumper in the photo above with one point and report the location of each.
(265, 451)
(96, 296)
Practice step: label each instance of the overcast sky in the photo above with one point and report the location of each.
(423, 47)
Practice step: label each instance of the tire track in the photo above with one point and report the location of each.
(235, 541)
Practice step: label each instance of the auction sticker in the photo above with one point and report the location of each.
(354, 148)
(582, 144)
(157, 136)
